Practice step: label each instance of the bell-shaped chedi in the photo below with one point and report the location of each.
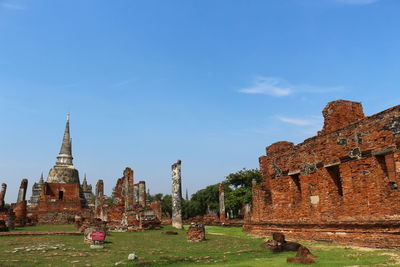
(61, 197)
(64, 171)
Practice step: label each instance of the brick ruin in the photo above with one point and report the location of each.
(339, 186)
(19, 208)
(62, 199)
(130, 209)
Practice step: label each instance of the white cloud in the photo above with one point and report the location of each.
(299, 122)
(280, 87)
(268, 86)
(122, 83)
(357, 2)
(11, 6)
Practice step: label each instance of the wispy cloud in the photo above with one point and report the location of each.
(357, 2)
(279, 87)
(295, 121)
(268, 86)
(121, 83)
(308, 126)
(11, 6)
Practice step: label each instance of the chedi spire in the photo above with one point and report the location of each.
(65, 156)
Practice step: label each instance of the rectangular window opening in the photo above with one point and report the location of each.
(382, 163)
(60, 195)
(296, 180)
(334, 172)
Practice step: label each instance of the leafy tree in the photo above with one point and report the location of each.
(155, 197)
(191, 208)
(235, 199)
(207, 198)
(166, 205)
(244, 178)
(241, 194)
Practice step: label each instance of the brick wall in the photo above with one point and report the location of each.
(347, 177)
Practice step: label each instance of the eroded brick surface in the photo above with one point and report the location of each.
(342, 185)
(196, 233)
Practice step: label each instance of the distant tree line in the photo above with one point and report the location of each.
(237, 193)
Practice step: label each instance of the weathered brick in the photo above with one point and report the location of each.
(341, 185)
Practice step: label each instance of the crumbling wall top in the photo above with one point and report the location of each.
(340, 113)
(279, 147)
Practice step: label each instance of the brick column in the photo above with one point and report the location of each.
(22, 190)
(19, 208)
(142, 193)
(136, 193)
(99, 202)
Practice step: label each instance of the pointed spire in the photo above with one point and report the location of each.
(66, 144)
(187, 195)
(84, 183)
(41, 181)
(65, 156)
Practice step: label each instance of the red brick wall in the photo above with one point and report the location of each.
(156, 207)
(51, 209)
(299, 185)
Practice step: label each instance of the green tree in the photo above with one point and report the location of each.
(244, 178)
(155, 197)
(166, 205)
(235, 199)
(241, 194)
(208, 198)
(191, 208)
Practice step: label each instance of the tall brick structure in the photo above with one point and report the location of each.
(129, 210)
(100, 204)
(340, 186)
(61, 197)
(19, 208)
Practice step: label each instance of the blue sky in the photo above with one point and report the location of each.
(209, 82)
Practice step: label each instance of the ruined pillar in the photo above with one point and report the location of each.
(99, 202)
(136, 193)
(128, 189)
(19, 208)
(2, 196)
(22, 190)
(142, 193)
(177, 195)
(222, 217)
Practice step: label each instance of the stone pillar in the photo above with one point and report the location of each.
(222, 217)
(176, 195)
(22, 190)
(136, 193)
(19, 208)
(3, 195)
(99, 202)
(128, 189)
(142, 193)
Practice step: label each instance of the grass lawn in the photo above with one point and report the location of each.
(225, 246)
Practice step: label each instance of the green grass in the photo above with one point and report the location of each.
(225, 246)
(47, 228)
